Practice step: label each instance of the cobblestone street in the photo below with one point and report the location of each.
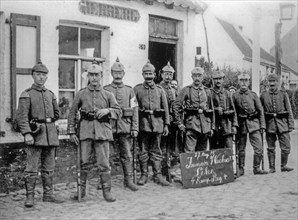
(272, 196)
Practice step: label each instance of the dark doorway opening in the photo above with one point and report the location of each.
(159, 55)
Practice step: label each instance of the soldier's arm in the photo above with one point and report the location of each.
(135, 117)
(177, 107)
(55, 108)
(22, 116)
(289, 109)
(71, 120)
(232, 107)
(211, 107)
(114, 108)
(260, 109)
(165, 105)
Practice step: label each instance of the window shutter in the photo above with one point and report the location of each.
(25, 50)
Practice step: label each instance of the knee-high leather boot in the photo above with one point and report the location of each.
(257, 162)
(241, 163)
(106, 187)
(47, 182)
(30, 181)
(284, 161)
(158, 178)
(144, 172)
(127, 171)
(83, 182)
(271, 158)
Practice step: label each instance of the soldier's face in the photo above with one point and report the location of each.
(244, 83)
(218, 82)
(273, 84)
(39, 78)
(117, 76)
(174, 84)
(197, 78)
(148, 76)
(167, 76)
(94, 78)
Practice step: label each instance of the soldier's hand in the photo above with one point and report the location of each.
(102, 112)
(210, 133)
(29, 140)
(234, 130)
(181, 127)
(165, 131)
(75, 139)
(134, 133)
(220, 111)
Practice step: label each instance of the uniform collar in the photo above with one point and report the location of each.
(117, 85)
(38, 88)
(243, 92)
(217, 91)
(201, 87)
(273, 92)
(147, 86)
(92, 88)
(165, 85)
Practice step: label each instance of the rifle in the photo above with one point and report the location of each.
(134, 160)
(235, 152)
(78, 162)
(262, 161)
(168, 161)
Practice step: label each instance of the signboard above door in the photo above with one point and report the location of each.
(106, 10)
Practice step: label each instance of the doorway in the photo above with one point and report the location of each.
(160, 53)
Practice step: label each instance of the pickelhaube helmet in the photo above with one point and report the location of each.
(94, 68)
(197, 70)
(243, 76)
(117, 66)
(272, 76)
(148, 67)
(217, 74)
(168, 68)
(39, 67)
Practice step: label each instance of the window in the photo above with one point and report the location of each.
(78, 47)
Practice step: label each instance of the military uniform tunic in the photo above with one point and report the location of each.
(91, 99)
(39, 103)
(197, 126)
(222, 136)
(125, 97)
(275, 103)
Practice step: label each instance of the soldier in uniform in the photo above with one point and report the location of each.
(197, 104)
(37, 112)
(279, 122)
(153, 123)
(167, 76)
(96, 106)
(128, 125)
(251, 121)
(225, 115)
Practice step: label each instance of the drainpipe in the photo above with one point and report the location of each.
(206, 36)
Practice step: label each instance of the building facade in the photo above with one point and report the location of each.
(68, 35)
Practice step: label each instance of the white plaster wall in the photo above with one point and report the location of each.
(124, 43)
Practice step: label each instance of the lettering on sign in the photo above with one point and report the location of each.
(105, 10)
(204, 168)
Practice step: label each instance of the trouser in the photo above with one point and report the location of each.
(102, 152)
(150, 148)
(123, 142)
(255, 141)
(46, 155)
(195, 141)
(218, 141)
(283, 139)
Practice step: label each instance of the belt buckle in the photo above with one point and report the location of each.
(274, 114)
(200, 111)
(151, 112)
(48, 120)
